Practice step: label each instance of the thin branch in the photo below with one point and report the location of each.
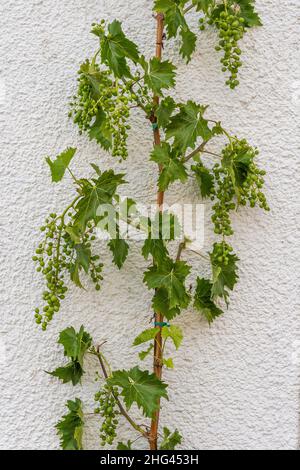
(138, 428)
(195, 152)
(212, 153)
(181, 247)
(187, 9)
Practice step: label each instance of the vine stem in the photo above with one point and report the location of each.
(120, 406)
(158, 346)
(190, 7)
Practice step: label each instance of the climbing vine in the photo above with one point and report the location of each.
(115, 80)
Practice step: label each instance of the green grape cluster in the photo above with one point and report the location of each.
(238, 181)
(101, 95)
(96, 267)
(51, 263)
(55, 257)
(220, 253)
(224, 192)
(107, 410)
(231, 28)
(85, 106)
(249, 178)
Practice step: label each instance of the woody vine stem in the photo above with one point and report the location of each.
(157, 360)
(189, 147)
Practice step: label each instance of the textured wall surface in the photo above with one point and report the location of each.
(236, 384)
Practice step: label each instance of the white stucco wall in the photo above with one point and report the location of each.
(236, 384)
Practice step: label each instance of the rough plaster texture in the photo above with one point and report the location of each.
(236, 384)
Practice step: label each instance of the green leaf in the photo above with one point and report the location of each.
(203, 5)
(161, 304)
(145, 336)
(60, 164)
(141, 388)
(170, 441)
(83, 254)
(168, 363)
(144, 354)
(172, 167)
(203, 302)
(175, 21)
(188, 46)
(122, 446)
(119, 249)
(204, 179)
(70, 427)
(100, 131)
(75, 346)
(174, 18)
(116, 49)
(225, 273)
(93, 194)
(248, 13)
(164, 226)
(82, 261)
(160, 75)
(72, 372)
(173, 332)
(187, 126)
(69, 339)
(156, 248)
(74, 233)
(165, 111)
(237, 163)
(170, 276)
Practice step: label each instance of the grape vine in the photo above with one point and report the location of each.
(112, 82)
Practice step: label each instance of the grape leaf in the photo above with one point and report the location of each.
(156, 248)
(165, 111)
(144, 354)
(174, 18)
(187, 126)
(122, 446)
(170, 440)
(119, 249)
(203, 5)
(72, 372)
(160, 75)
(161, 304)
(172, 167)
(171, 276)
(168, 363)
(224, 274)
(204, 179)
(188, 45)
(173, 332)
(116, 49)
(93, 194)
(82, 261)
(145, 336)
(175, 21)
(70, 427)
(203, 301)
(100, 131)
(238, 166)
(248, 13)
(75, 346)
(60, 164)
(139, 387)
